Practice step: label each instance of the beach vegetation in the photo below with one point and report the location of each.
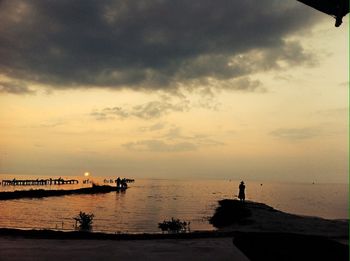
(174, 226)
(84, 221)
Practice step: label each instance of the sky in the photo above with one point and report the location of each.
(251, 90)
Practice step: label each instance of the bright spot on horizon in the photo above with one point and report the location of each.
(87, 174)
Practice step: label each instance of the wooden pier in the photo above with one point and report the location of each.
(37, 182)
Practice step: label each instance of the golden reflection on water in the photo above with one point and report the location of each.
(147, 202)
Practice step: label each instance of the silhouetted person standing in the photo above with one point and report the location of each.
(123, 183)
(118, 181)
(241, 194)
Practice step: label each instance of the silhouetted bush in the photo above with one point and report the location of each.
(84, 220)
(174, 225)
(230, 212)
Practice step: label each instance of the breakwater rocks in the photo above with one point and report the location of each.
(234, 215)
(40, 193)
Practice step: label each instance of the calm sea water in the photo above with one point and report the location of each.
(148, 202)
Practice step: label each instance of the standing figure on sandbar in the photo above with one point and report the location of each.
(241, 194)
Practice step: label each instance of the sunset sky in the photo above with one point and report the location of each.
(252, 90)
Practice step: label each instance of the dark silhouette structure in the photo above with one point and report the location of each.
(37, 182)
(336, 8)
(241, 193)
(41, 193)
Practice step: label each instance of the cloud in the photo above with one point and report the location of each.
(149, 44)
(175, 133)
(149, 110)
(14, 88)
(154, 127)
(334, 113)
(243, 84)
(52, 124)
(101, 116)
(160, 146)
(296, 133)
(173, 141)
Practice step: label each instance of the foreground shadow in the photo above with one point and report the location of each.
(288, 246)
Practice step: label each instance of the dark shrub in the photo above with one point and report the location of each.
(174, 225)
(84, 220)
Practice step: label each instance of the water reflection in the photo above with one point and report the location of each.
(148, 202)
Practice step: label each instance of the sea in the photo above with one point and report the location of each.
(148, 202)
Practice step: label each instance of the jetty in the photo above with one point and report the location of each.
(115, 181)
(38, 182)
(41, 193)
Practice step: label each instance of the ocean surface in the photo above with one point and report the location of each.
(149, 201)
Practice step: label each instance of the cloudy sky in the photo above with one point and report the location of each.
(253, 90)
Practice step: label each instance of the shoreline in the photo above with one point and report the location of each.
(78, 235)
(265, 234)
(239, 246)
(261, 218)
(53, 234)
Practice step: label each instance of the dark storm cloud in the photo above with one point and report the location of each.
(144, 44)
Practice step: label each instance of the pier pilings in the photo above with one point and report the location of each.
(37, 182)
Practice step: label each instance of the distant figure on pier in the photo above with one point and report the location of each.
(118, 182)
(241, 194)
(123, 183)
